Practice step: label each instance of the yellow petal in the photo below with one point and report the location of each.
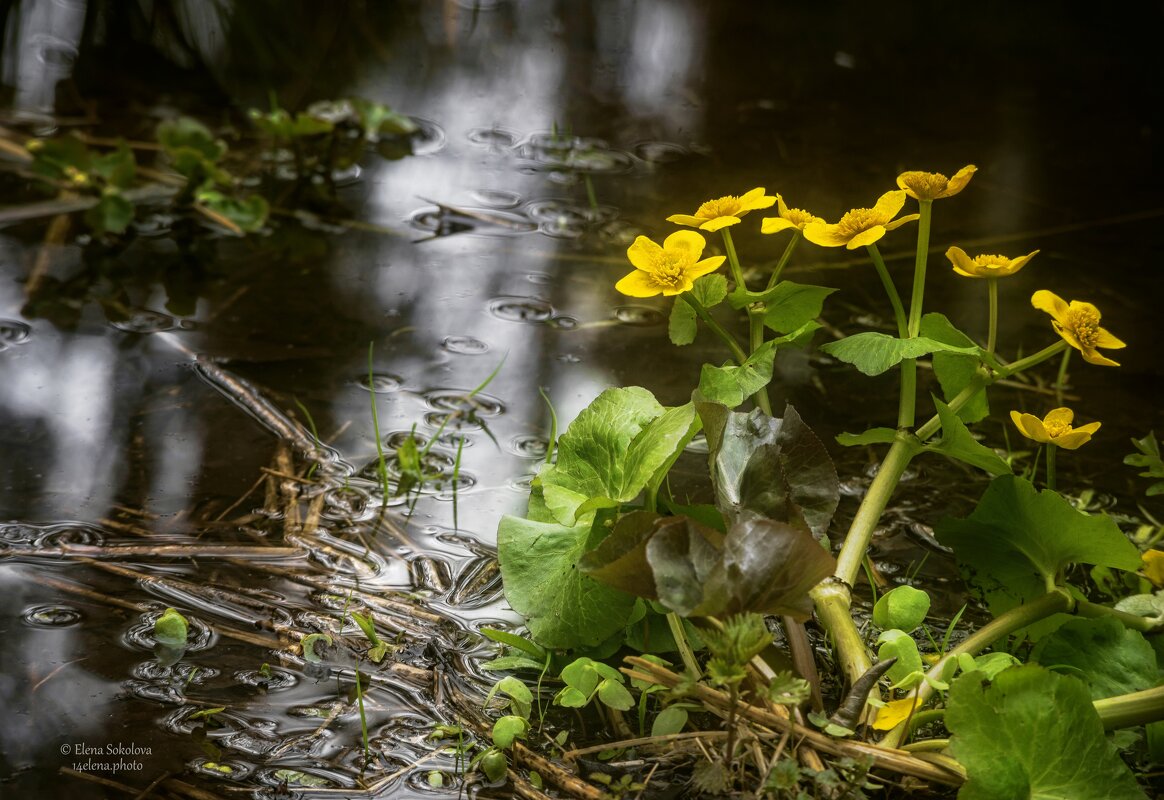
(1050, 302)
(1090, 427)
(1154, 566)
(1103, 338)
(689, 242)
(1020, 262)
(704, 267)
(781, 206)
(755, 200)
(866, 237)
(959, 181)
(889, 204)
(686, 219)
(1030, 426)
(719, 222)
(638, 284)
(897, 223)
(825, 235)
(1069, 337)
(1072, 440)
(1059, 418)
(643, 253)
(894, 713)
(775, 225)
(1093, 356)
(962, 263)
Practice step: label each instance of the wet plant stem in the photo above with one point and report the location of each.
(1128, 710)
(783, 262)
(925, 210)
(992, 302)
(1085, 608)
(907, 402)
(1061, 378)
(1056, 601)
(1051, 451)
(675, 623)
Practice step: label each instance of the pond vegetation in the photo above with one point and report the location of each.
(817, 527)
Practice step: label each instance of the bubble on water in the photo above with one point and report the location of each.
(520, 309)
(552, 209)
(13, 332)
(154, 692)
(51, 616)
(529, 446)
(428, 138)
(273, 681)
(380, 382)
(522, 483)
(487, 221)
(497, 198)
(569, 358)
(563, 322)
(140, 636)
(464, 345)
(348, 176)
(556, 152)
(540, 278)
(145, 321)
(459, 400)
(660, 152)
(181, 674)
(493, 138)
(222, 770)
(639, 316)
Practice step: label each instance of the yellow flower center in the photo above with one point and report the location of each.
(668, 270)
(857, 221)
(1084, 323)
(1057, 429)
(991, 262)
(800, 217)
(720, 207)
(926, 185)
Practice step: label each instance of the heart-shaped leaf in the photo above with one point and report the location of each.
(873, 353)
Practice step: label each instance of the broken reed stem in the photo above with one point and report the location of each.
(894, 760)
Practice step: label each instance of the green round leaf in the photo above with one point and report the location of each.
(171, 629)
(904, 608)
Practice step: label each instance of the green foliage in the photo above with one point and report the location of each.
(1018, 542)
(248, 213)
(909, 670)
(520, 697)
(955, 371)
(682, 325)
(1110, 658)
(112, 214)
(776, 468)
(871, 436)
(1148, 457)
(732, 384)
(171, 629)
(563, 607)
(308, 644)
(787, 689)
(379, 648)
(874, 353)
(586, 679)
(957, 442)
(509, 728)
(904, 608)
(1033, 733)
(621, 444)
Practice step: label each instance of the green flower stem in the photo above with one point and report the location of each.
(675, 623)
(1057, 601)
(992, 296)
(1061, 378)
(833, 601)
(926, 746)
(775, 278)
(921, 718)
(733, 259)
(1086, 608)
(1128, 710)
(856, 544)
(890, 289)
(701, 311)
(1037, 358)
(1051, 451)
(925, 209)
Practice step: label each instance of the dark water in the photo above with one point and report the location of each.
(114, 436)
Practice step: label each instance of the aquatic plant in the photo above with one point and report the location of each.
(604, 552)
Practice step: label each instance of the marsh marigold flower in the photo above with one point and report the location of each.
(1078, 323)
(861, 226)
(670, 269)
(789, 218)
(1055, 428)
(986, 266)
(934, 185)
(724, 211)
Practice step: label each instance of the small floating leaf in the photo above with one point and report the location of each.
(508, 728)
(171, 629)
(308, 644)
(494, 764)
(1033, 733)
(294, 777)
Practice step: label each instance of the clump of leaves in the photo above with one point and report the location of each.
(73, 166)
(1149, 459)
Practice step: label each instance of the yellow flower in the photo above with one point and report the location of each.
(1154, 566)
(985, 266)
(724, 211)
(861, 226)
(789, 218)
(934, 185)
(894, 713)
(1078, 324)
(1055, 428)
(670, 269)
